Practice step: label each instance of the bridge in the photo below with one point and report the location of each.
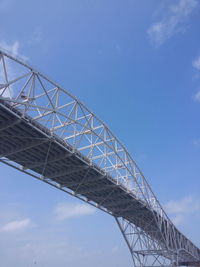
(50, 135)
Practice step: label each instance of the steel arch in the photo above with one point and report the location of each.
(31, 98)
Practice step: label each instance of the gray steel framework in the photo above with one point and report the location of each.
(49, 134)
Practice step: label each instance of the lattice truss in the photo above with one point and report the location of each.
(157, 243)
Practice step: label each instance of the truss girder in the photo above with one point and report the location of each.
(89, 180)
(50, 161)
(49, 134)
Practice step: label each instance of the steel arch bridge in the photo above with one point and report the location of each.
(50, 135)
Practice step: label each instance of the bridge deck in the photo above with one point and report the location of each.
(32, 146)
(28, 144)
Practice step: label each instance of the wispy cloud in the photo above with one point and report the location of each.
(12, 48)
(69, 210)
(196, 63)
(178, 219)
(173, 22)
(181, 209)
(197, 96)
(15, 226)
(184, 205)
(196, 66)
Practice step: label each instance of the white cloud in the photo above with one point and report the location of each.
(178, 219)
(173, 22)
(196, 63)
(12, 48)
(197, 96)
(69, 210)
(15, 226)
(181, 209)
(184, 205)
(50, 245)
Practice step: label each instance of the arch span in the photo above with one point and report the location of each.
(49, 134)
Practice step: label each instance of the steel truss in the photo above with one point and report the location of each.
(151, 237)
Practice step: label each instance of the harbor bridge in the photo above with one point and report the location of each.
(49, 134)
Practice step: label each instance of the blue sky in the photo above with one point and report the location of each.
(136, 64)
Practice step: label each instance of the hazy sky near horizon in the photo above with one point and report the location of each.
(136, 65)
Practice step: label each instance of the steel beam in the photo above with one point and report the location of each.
(9, 124)
(86, 181)
(24, 147)
(95, 189)
(50, 160)
(71, 169)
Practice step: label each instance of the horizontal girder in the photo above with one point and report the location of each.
(6, 125)
(84, 181)
(47, 161)
(23, 147)
(69, 171)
